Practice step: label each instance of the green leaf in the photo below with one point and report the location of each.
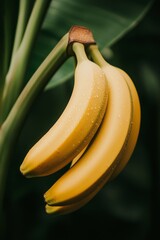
(108, 20)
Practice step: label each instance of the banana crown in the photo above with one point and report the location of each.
(96, 133)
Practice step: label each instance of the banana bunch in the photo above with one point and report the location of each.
(96, 134)
(78, 123)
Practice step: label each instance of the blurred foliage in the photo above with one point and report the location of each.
(127, 207)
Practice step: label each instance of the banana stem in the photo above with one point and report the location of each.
(14, 79)
(79, 50)
(96, 55)
(11, 127)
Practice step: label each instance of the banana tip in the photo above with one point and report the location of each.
(48, 200)
(50, 210)
(25, 172)
(22, 170)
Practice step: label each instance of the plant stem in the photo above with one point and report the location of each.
(14, 79)
(5, 151)
(96, 55)
(11, 127)
(24, 12)
(79, 50)
(6, 41)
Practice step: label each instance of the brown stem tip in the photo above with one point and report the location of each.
(80, 34)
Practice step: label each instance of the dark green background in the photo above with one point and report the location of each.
(128, 207)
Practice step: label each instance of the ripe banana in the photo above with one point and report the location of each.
(107, 146)
(65, 209)
(134, 130)
(78, 123)
(136, 120)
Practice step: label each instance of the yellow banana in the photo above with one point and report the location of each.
(76, 126)
(107, 146)
(134, 130)
(136, 120)
(65, 209)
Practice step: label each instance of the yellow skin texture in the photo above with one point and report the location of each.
(132, 139)
(106, 149)
(65, 209)
(136, 120)
(77, 124)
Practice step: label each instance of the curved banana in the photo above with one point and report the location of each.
(136, 120)
(134, 130)
(107, 146)
(65, 209)
(78, 123)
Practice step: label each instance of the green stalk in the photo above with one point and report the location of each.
(96, 55)
(11, 127)
(23, 15)
(6, 42)
(17, 70)
(79, 51)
